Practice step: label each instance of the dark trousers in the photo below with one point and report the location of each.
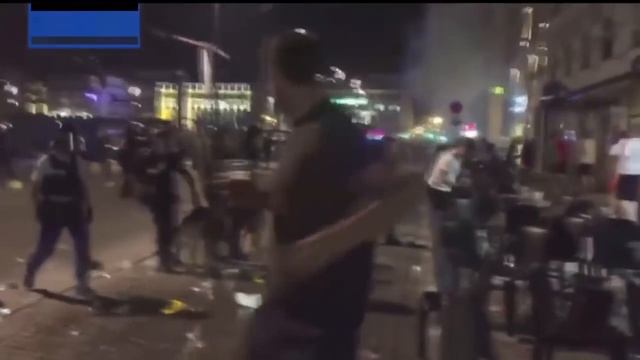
(50, 234)
(165, 220)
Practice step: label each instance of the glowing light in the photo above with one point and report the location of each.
(404, 135)
(394, 108)
(519, 104)
(418, 130)
(355, 83)
(379, 107)
(497, 90)
(11, 89)
(300, 31)
(350, 101)
(13, 102)
(269, 119)
(375, 134)
(437, 120)
(91, 96)
(134, 90)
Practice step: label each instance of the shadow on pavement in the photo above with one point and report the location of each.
(130, 306)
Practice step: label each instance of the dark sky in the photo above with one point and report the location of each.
(360, 38)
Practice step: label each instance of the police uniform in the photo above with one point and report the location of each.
(62, 205)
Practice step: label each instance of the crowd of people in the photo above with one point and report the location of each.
(332, 195)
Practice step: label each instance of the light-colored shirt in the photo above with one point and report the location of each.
(587, 151)
(444, 172)
(628, 153)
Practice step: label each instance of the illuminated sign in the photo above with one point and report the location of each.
(497, 90)
(84, 25)
(350, 101)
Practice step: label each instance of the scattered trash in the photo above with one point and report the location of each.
(100, 275)
(20, 260)
(258, 280)
(416, 268)
(4, 311)
(194, 338)
(9, 286)
(173, 307)
(252, 301)
(74, 332)
(196, 289)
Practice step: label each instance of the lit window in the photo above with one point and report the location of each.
(379, 107)
(394, 108)
(524, 43)
(543, 25)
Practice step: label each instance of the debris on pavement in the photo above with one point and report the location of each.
(173, 307)
(252, 301)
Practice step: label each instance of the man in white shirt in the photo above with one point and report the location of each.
(440, 181)
(627, 152)
(442, 177)
(587, 159)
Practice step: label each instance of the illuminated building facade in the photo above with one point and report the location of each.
(590, 88)
(34, 98)
(230, 100)
(378, 102)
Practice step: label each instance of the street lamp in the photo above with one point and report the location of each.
(180, 77)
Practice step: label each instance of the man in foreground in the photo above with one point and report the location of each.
(323, 255)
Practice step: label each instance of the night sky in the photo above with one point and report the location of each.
(359, 38)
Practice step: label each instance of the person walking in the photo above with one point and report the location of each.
(440, 182)
(61, 199)
(627, 185)
(323, 256)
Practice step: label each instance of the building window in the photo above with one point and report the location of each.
(635, 38)
(568, 59)
(607, 39)
(585, 52)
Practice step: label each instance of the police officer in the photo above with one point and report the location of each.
(162, 194)
(62, 201)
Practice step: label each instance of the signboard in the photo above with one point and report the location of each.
(84, 25)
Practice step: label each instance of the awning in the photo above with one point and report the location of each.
(594, 92)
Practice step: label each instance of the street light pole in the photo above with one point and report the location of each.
(214, 71)
(180, 77)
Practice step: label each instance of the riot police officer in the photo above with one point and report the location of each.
(62, 202)
(161, 172)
